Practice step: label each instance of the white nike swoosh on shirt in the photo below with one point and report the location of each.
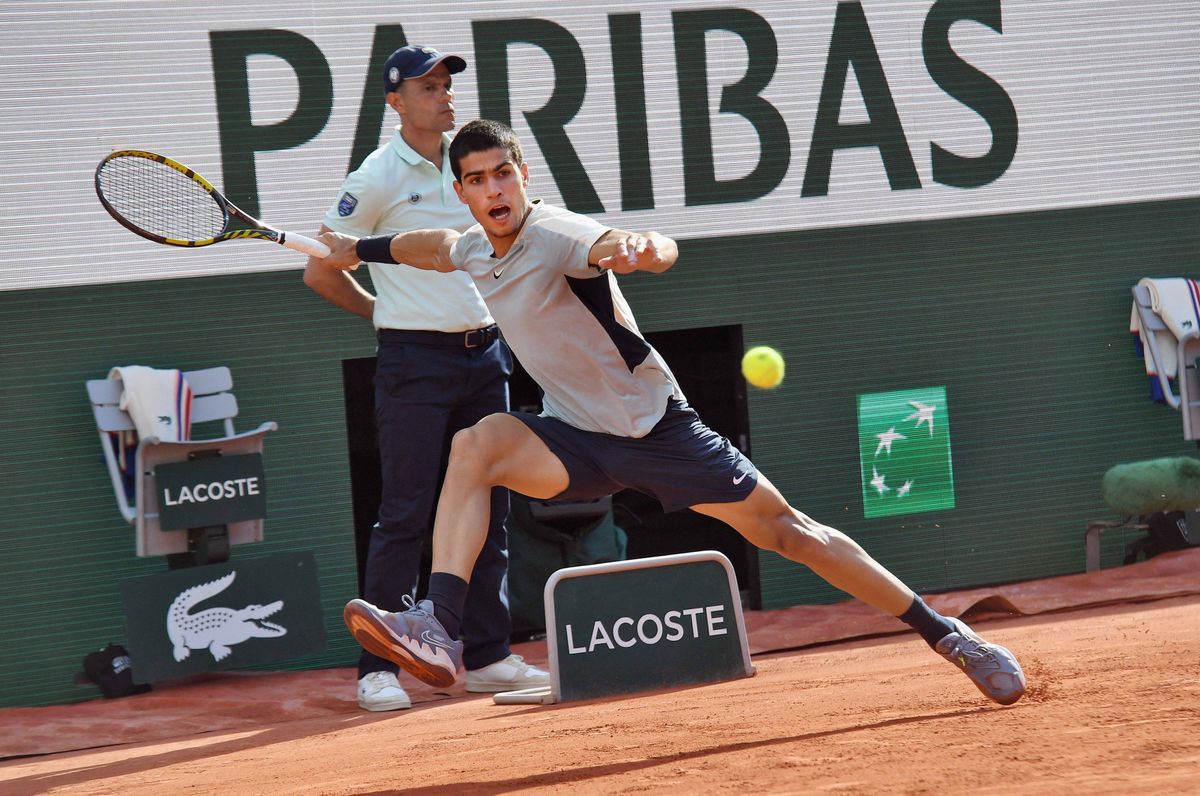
(496, 272)
(740, 479)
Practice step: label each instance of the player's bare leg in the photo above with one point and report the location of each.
(766, 520)
(497, 451)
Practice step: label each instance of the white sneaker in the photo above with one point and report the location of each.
(379, 691)
(508, 674)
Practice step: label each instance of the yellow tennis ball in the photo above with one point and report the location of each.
(763, 367)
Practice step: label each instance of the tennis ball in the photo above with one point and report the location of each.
(763, 367)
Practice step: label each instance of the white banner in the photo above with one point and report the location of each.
(1034, 105)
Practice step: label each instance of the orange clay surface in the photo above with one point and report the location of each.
(1113, 708)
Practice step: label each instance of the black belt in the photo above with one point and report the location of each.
(474, 338)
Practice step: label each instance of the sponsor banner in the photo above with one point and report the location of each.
(638, 625)
(904, 449)
(214, 490)
(697, 118)
(223, 616)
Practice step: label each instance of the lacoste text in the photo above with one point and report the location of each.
(217, 490)
(650, 629)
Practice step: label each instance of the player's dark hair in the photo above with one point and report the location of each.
(480, 136)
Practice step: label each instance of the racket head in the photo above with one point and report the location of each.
(161, 199)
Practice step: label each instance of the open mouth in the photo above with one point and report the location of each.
(500, 213)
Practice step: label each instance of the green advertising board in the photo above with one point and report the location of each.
(644, 624)
(904, 450)
(214, 490)
(223, 616)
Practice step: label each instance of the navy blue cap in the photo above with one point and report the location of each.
(413, 61)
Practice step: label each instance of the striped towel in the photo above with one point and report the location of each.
(158, 401)
(1177, 302)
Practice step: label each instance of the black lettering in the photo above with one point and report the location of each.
(367, 133)
(240, 137)
(629, 92)
(700, 184)
(548, 123)
(972, 88)
(852, 44)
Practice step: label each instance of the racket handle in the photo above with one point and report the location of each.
(300, 243)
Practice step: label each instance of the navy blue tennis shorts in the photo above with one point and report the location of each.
(681, 462)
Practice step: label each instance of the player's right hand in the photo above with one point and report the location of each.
(342, 254)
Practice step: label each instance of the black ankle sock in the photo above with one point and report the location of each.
(932, 626)
(448, 593)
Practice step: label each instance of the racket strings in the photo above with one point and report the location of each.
(160, 200)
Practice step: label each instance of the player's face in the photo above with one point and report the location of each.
(427, 102)
(493, 186)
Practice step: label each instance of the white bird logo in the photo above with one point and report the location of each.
(924, 414)
(886, 439)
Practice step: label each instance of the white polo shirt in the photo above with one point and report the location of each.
(397, 190)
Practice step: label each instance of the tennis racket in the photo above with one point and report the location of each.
(166, 202)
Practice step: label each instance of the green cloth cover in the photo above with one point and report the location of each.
(1141, 488)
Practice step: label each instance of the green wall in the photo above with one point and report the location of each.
(1022, 318)
(66, 547)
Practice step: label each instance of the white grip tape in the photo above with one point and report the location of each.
(304, 244)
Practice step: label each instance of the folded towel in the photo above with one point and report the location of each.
(1176, 301)
(158, 401)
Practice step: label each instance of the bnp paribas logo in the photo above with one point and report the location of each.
(904, 450)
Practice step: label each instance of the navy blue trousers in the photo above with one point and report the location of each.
(423, 395)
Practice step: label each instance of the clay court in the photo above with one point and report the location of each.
(1113, 708)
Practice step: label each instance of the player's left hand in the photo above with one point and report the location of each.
(633, 252)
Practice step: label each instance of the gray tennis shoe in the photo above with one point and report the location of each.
(992, 668)
(413, 639)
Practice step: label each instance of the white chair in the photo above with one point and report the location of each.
(212, 401)
(1179, 359)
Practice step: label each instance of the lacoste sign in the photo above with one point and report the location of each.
(647, 623)
(650, 629)
(211, 491)
(223, 616)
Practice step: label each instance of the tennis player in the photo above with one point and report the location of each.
(440, 367)
(614, 416)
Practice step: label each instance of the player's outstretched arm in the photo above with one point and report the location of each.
(626, 252)
(427, 249)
